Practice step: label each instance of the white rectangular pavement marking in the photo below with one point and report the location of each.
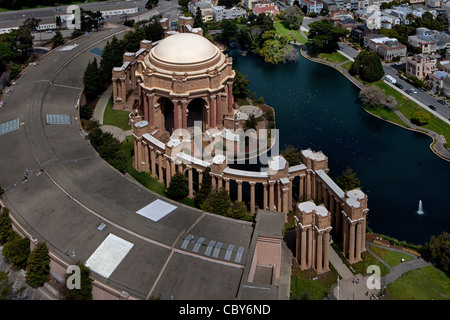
(209, 247)
(107, 257)
(156, 210)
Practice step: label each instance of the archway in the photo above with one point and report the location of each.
(167, 109)
(197, 112)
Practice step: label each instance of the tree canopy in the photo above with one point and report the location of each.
(38, 266)
(324, 36)
(348, 180)
(178, 188)
(438, 249)
(368, 66)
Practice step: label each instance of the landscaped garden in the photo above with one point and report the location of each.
(392, 258)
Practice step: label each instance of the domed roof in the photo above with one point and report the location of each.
(185, 48)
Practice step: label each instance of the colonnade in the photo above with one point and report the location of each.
(313, 248)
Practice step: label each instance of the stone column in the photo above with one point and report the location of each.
(266, 196)
(135, 154)
(252, 197)
(363, 235)
(200, 177)
(319, 253)
(218, 111)
(213, 181)
(146, 108)
(212, 113)
(227, 184)
(239, 183)
(190, 181)
(351, 244)
(301, 188)
(141, 102)
(285, 200)
(358, 241)
(304, 249)
(326, 251)
(230, 97)
(168, 172)
(290, 193)
(279, 196)
(271, 195)
(160, 169)
(308, 186)
(146, 157)
(176, 117)
(151, 110)
(184, 114)
(153, 162)
(332, 211)
(309, 256)
(219, 182)
(338, 214)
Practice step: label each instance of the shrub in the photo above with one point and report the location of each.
(421, 118)
(178, 188)
(38, 266)
(17, 251)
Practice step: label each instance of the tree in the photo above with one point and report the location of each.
(17, 251)
(368, 66)
(238, 210)
(198, 18)
(292, 155)
(348, 180)
(85, 290)
(205, 188)
(421, 117)
(324, 36)
(6, 230)
(438, 249)
(293, 17)
(240, 85)
(229, 31)
(178, 188)
(38, 266)
(5, 286)
(218, 202)
(91, 80)
(57, 39)
(373, 97)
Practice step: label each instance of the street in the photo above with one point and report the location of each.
(392, 69)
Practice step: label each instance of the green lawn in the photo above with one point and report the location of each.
(427, 283)
(367, 260)
(334, 57)
(307, 289)
(387, 114)
(392, 258)
(347, 65)
(409, 107)
(116, 118)
(295, 34)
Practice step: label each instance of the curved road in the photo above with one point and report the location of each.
(70, 191)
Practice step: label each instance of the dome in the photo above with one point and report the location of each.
(185, 48)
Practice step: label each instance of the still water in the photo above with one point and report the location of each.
(317, 107)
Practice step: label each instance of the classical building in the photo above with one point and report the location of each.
(184, 80)
(421, 65)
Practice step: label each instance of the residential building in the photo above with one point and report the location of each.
(387, 48)
(312, 6)
(433, 3)
(348, 24)
(426, 44)
(266, 7)
(206, 8)
(446, 87)
(436, 80)
(421, 66)
(220, 13)
(359, 32)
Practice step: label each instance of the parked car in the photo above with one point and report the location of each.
(408, 91)
(441, 102)
(420, 89)
(398, 85)
(413, 90)
(432, 107)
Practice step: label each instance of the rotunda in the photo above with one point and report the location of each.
(183, 79)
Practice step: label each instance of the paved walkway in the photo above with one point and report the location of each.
(99, 113)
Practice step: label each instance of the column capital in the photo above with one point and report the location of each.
(252, 183)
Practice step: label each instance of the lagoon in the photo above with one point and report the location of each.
(317, 107)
